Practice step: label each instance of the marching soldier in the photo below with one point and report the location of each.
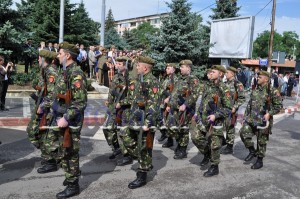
(40, 117)
(138, 135)
(181, 107)
(68, 110)
(214, 108)
(168, 87)
(263, 104)
(118, 107)
(238, 98)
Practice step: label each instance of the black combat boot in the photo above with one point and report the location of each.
(205, 160)
(168, 143)
(49, 166)
(223, 141)
(258, 164)
(177, 148)
(125, 161)
(228, 149)
(213, 170)
(72, 189)
(181, 153)
(141, 180)
(163, 135)
(116, 151)
(251, 154)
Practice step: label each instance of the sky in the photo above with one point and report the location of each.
(287, 11)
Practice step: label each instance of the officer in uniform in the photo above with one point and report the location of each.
(181, 107)
(238, 98)
(167, 86)
(214, 108)
(265, 101)
(68, 108)
(45, 87)
(139, 134)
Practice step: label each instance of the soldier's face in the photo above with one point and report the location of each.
(120, 66)
(229, 74)
(262, 80)
(62, 56)
(170, 70)
(214, 74)
(141, 68)
(184, 69)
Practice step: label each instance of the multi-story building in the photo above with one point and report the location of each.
(132, 23)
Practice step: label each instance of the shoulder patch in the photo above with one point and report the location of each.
(196, 81)
(227, 93)
(241, 87)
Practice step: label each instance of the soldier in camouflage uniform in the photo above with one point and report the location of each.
(138, 136)
(214, 108)
(263, 104)
(181, 107)
(238, 98)
(45, 87)
(118, 106)
(70, 101)
(167, 88)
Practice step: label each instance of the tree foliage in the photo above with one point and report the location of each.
(109, 21)
(180, 37)
(282, 42)
(225, 9)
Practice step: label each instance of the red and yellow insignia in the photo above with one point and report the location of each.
(241, 87)
(77, 84)
(277, 93)
(155, 89)
(227, 94)
(196, 81)
(51, 79)
(131, 87)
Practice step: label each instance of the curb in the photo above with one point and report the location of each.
(23, 121)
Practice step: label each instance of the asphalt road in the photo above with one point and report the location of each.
(279, 178)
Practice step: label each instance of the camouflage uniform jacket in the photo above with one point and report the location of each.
(115, 88)
(185, 92)
(146, 93)
(221, 110)
(165, 87)
(75, 80)
(258, 105)
(51, 76)
(236, 87)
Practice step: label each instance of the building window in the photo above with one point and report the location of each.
(125, 25)
(132, 24)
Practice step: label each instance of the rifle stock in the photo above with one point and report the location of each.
(233, 115)
(67, 143)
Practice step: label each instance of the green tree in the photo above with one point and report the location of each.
(180, 37)
(10, 37)
(130, 39)
(113, 38)
(109, 21)
(141, 35)
(83, 29)
(261, 44)
(225, 9)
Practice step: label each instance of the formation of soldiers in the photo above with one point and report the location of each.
(138, 106)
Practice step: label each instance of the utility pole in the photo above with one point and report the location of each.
(271, 37)
(102, 29)
(61, 21)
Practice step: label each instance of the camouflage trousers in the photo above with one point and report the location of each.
(178, 127)
(33, 132)
(210, 145)
(45, 140)
(69, 157)
(130, 140)
(248, 131)
(230, 131)
(112, 135)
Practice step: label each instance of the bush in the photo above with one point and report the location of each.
(22, 79)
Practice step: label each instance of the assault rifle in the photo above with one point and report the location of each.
(233, 115)
(141, 106)
(67, 141)
(214, 108)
